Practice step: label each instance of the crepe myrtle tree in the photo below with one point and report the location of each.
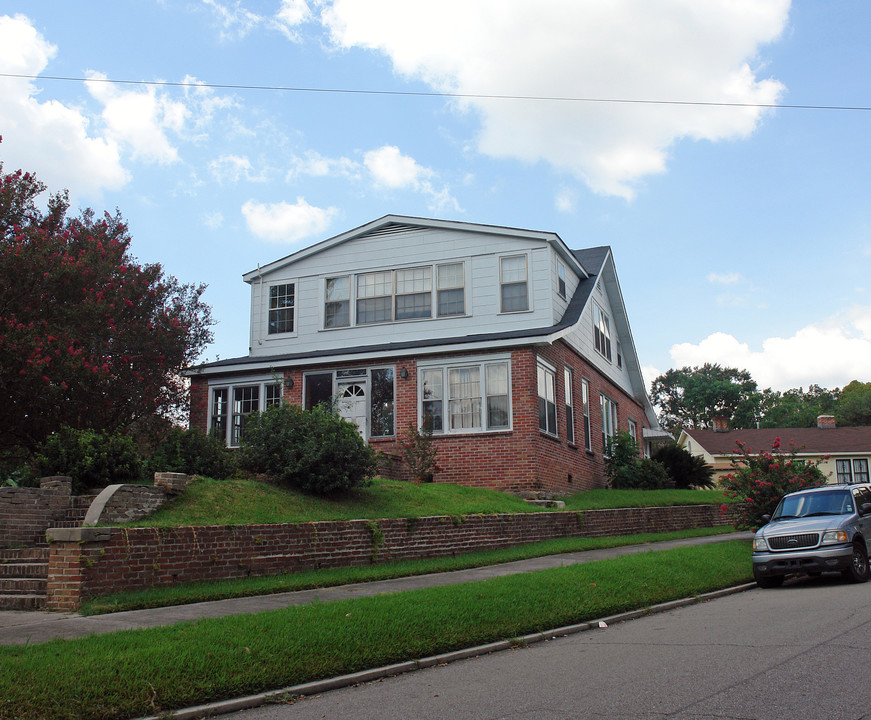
(89, 337)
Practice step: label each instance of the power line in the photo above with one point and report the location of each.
(412, 93)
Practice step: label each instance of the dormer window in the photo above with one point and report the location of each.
(281, 307)
(561, 279)
(513, 283)
(451, 289)
(337, 302)
(602, 332)
(414, 293)
(375, 297)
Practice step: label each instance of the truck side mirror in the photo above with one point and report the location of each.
(767, 518)
(865, 509)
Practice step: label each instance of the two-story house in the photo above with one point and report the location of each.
(516, 348)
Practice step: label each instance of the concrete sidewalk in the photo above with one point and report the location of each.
(20, 628)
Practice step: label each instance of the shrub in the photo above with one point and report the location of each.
(621, 452)
(192, 452)
(92, 459)
(419, 452)
(627, 471)
(684, 468)
(759, 481)
(312, 450)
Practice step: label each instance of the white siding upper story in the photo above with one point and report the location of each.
(394, 268)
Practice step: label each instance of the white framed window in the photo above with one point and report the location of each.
(465, 396)
(451, 289)
(413, 293)
(513, 283)
(570, 404)
(282, 302)
(619, 354)
(609, 419)
(561, 279)
(852, 471)
(633, 431)
(230, 404)
(585, 408)
(546, 399)
(602, 332)
(337, 302)
(374, 297)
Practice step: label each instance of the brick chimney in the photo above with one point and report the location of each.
(826, 421)
(720, 423)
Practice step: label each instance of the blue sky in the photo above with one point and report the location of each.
(742, 235)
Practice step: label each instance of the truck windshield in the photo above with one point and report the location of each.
(833, 502)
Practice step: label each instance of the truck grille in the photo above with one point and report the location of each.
(794, 542)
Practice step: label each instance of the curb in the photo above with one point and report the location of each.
(198, 712)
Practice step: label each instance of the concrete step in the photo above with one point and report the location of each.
(23, 570)
(28, 554)
(22, 602)
(22, 586)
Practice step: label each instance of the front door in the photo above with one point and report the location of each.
(352, 404)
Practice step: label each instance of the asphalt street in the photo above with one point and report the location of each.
(799, 652)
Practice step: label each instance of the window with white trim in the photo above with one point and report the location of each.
(546, 399)
(633, 431)
(374, 297)
(451, 289)
(570, 405)
(337, 302)
(465, 397)
(852, 471)
(282, 299)
(619, 354)
(585, 406)
(609, 419)
(513, 284)
(602, 331)
(231, 404)
(561, 279)
(413, 293)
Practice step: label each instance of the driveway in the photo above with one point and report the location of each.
(798, 652)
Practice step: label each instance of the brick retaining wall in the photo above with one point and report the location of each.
(90, 562)
(26, 513)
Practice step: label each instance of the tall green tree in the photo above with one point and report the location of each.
(796, 408)
(854, 404)
(89, 338)
(691, 397)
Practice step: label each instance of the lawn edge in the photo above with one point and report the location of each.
(289, 694)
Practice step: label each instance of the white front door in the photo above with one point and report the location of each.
(352, 404)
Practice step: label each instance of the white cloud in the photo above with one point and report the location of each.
(634, 49)
(317, 165)
(49, 138)
(233, 168)
(565, 200)
(235, 20)
(829, 353)
(290, 15)
(724, 278)
(213, 220)
(391, 169)
(139, 119)
(283, 222)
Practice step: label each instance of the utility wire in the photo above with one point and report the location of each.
(411, 93)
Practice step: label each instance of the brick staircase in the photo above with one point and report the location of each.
(24, 571)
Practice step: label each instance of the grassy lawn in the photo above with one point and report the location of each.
(134, 673)
(329, 577)
(247, 501)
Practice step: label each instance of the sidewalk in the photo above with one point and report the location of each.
(20, 628)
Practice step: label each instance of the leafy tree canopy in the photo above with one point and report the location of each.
(796, 408)
(691, 397)
(854, 404)
(89, 338)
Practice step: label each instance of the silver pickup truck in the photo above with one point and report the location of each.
(814, 531)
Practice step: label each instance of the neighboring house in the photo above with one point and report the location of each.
(844, 453)
(516, 348)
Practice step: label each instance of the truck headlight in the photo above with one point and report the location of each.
(833, 537)
(759, 543)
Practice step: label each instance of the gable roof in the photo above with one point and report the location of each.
(394, 224)
(817, 441)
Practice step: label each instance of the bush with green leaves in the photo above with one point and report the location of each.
(684, 468)
(92, 459)
(313, 450)
(761, 479)
(627, 471)
(192, 452)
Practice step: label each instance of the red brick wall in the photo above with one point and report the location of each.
(520, 460)
(89, 562)
(26, 513)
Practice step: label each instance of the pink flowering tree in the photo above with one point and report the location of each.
(759, 480)
(89, 337)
